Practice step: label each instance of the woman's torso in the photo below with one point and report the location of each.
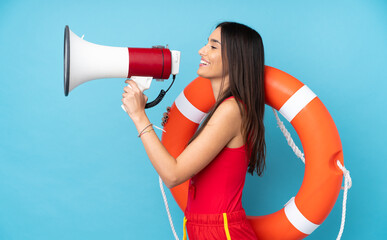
(218, 187)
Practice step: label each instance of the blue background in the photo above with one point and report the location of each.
(73, 167)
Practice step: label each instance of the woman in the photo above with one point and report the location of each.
(229, 142)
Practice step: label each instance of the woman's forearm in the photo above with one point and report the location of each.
(160, 158)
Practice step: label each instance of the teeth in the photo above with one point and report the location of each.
(203, 62)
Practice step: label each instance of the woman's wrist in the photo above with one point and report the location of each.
(140, 120)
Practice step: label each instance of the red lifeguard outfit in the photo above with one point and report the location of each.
(214, 208)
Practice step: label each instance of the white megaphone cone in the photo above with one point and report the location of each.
(85, 61)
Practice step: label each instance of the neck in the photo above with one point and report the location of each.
(216, 85)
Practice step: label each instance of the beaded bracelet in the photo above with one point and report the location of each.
(150, 124)
(145, 132)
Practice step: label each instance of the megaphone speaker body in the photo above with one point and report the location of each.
(85, 61)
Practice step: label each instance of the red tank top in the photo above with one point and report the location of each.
(218, 187)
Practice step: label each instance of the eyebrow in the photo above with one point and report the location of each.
(214, 40)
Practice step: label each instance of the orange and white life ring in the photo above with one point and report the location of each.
(316, 130)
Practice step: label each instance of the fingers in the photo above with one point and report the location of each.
(165, 117)
(133, 89)
(132, 86)
(133, 98)
(163, 122)
(128, 89)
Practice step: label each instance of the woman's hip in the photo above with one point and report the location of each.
(231, 225)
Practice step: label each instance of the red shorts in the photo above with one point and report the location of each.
(220, 226)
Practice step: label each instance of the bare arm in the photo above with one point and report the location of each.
(223, 126)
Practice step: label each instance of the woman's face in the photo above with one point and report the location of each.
(211, 65)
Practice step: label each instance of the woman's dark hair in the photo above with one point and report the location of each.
(243, 59)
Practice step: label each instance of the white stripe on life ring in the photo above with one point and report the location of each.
(297, 102)
(298, 220)
(189, 110)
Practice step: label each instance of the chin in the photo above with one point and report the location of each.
(203, 75)
(200, 74)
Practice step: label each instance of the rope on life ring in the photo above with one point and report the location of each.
(299, 154)
(319, 137)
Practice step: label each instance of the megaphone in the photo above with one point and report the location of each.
(85, 61)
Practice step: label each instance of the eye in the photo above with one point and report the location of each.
(213, 47)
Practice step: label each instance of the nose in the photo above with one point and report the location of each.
(202, 51)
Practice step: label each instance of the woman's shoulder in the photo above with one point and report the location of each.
(229, 110)
(230, 103)
(232, 98)
(232, 119)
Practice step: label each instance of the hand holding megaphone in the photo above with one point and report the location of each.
(133, 98)
(143, 83)
(85, 61)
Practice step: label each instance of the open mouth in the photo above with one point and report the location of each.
(203, 63)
